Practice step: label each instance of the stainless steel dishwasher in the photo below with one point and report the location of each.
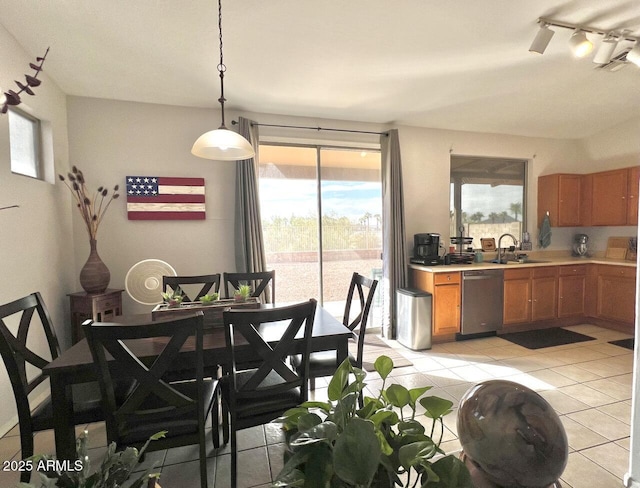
(482, 301)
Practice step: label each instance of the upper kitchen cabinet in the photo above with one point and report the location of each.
(632, 202)
(603, 198)
(609, 197)
(561, 196)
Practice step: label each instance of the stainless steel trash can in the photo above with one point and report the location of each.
(414, 318)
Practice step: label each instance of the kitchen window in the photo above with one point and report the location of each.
(487, 197)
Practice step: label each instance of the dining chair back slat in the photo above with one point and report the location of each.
(261, 283)
(210, 283)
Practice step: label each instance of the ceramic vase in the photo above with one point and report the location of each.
(94, 276)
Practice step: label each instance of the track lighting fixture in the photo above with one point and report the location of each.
(581, 45)
(606, 49)
(541, 41)
(634, 54)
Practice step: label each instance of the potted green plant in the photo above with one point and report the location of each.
(116, 468)
(173, 299)
(209, 299)
(338, 444)
(242, 293)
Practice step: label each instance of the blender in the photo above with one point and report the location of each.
(580, 245)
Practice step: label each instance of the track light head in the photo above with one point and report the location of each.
(580, 45)
(606, 49)
(541, 41)
(634, 54)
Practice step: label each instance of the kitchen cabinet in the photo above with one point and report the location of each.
(561, 196)
(530, 295)
(616, 293)
(632, 192)
(609, 192)
(572, 286)
(594, 199)
(446, 292)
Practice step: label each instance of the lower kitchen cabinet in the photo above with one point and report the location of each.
(616, 293)
(530, 295)
(572, 286)
(517, 296)
(446, 291)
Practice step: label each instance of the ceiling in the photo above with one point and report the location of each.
(461, 65)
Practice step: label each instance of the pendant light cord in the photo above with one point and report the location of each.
(221, 67)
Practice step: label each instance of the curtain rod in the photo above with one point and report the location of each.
(233, 122)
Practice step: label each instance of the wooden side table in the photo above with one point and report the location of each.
(100, 307)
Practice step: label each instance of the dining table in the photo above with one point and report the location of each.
(75, 365)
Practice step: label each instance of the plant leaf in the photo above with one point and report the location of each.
(398, 395)
(339, 380)
(436, 407)
(412, 455)
(452, 473)
(12, 98)
(306, 422)
(32, 80)
(416, 393)
(383, 366)
(356, 454)
(25, 88)
(411, 427)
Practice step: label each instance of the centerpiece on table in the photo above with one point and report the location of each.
(94, 276)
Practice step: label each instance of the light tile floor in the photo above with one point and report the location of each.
(589, 385)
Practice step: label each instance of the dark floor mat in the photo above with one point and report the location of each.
(538, 339)
(628, 343)
(374, 347)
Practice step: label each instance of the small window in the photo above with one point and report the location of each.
(24, 139)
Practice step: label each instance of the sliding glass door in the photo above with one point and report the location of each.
(321, 216)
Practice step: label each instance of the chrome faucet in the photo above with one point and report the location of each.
(515, 243)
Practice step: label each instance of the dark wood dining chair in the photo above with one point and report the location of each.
(24, 315)
(258, 395)
(154, 405)
(210, 283)
(323, 363)
(258, 281)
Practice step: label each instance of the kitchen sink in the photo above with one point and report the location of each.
(523, 261)
(528, 261)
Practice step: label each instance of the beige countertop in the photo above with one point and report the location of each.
(553, 259)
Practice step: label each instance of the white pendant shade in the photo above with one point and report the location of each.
(222, 145)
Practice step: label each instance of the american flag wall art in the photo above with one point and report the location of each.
(164, 198)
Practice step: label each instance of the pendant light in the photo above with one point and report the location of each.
(222, 144)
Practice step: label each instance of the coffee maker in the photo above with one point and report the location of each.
(426, 249)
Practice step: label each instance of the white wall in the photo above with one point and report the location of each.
(426, 157)
(35, 245)
(110, 140)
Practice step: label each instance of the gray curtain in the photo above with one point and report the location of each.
(394, 262)
(249, 242)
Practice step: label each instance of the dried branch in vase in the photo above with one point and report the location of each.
(13, 97)
(91, 207)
